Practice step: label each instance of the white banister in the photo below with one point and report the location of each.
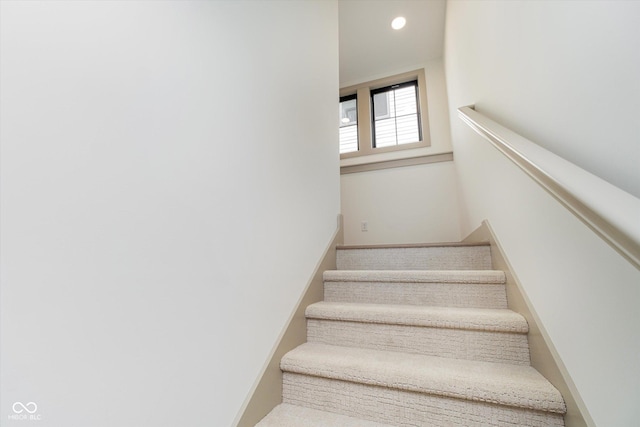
(609, 211)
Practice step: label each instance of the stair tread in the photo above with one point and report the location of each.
(287, 415)
(416, 276)
(412, 245)
(481, 319)
(511, 385)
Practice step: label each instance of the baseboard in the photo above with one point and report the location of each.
(266, 393)
(544, 356)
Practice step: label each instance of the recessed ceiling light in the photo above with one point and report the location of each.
(398, 23)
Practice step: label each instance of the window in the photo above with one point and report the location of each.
(395, 115)
(348, 124)
(392, 115)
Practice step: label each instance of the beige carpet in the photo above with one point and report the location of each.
(427, 258)
(465, 333)
(477, 288)
(414, 337)
(286, 415)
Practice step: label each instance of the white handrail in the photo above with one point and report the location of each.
(609, 211)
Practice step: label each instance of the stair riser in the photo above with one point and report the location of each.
(431, 258)
(403, 408)
(286, 415)
(487, 346)
(431, 294)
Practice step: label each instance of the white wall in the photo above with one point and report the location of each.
(563, 74)
(169, 181)
(411, 204)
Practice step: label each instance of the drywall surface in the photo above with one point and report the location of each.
(169, 182)
(438, 107)
(411, 204)
(585, 294)
(563, 74)
(368, 44)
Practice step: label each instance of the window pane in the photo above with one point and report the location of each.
(348, 112)
(385, 132)
(381, 105)
(407, 129)
(348, 139)
(406, 101)
(348, 124)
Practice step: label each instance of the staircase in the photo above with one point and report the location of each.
(414, 336)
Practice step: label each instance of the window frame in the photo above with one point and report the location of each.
(385, 89)
(365, 113)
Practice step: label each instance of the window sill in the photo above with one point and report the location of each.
(394, 159)
(368, 152)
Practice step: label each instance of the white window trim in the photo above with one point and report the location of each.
(365, 136)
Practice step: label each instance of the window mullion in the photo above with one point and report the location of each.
(395, 116)
(364, 124)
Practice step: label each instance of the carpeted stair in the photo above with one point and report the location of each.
(414, 336)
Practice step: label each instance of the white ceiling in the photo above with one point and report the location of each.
(370, 48)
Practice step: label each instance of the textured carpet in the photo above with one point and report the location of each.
(480, 289)
(416, 276)
(416, 336)
(501, 383)
(286, 415)
(406, 409)
(440, 317)
(428, 258)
